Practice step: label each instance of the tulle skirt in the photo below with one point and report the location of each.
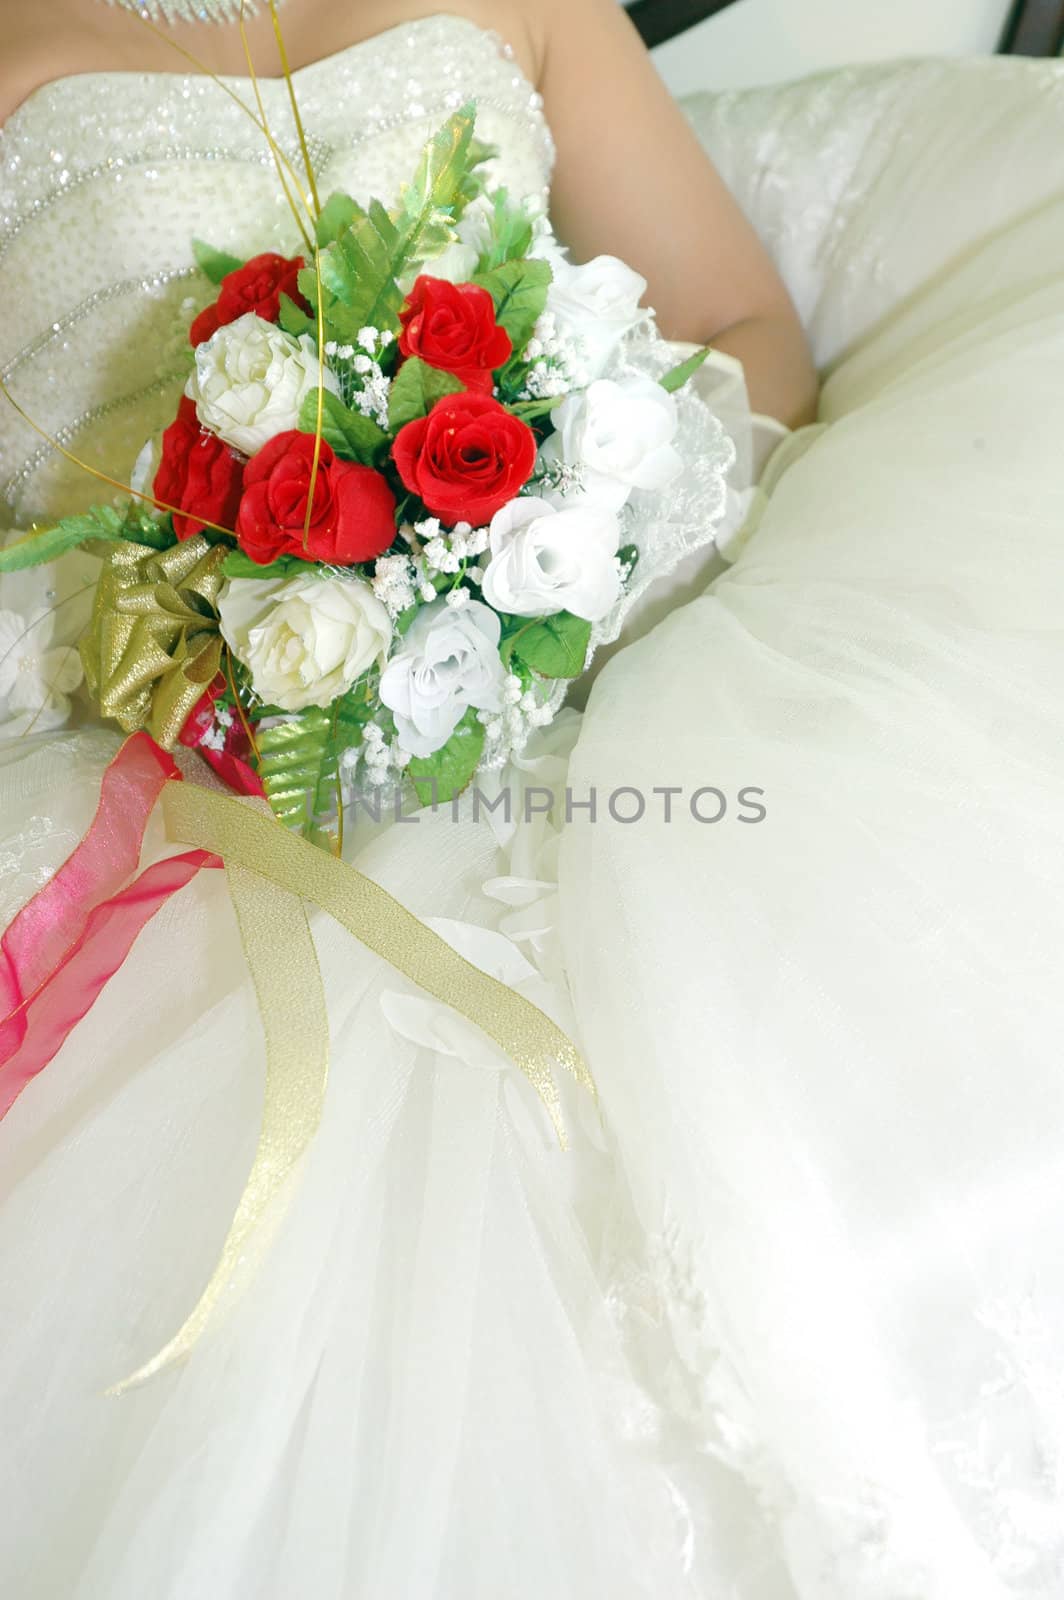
(786, 1321)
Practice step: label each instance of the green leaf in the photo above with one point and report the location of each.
(441, 188)
(337, 214)
(347, 717)
(237, 565)
(358, 273)
(479, 152)
(104, 523)
(678, 376)
(351, 435)
(299, 760)
(350, 715)
(532, 410)
(294, 320)
(512, 629)
(361, 267)
(415, 391)
(214, 264)
(438, 778)
(307, 283)
(293, 760)
(519, 290)
(144, 525)
(511, 233)
(555, 647)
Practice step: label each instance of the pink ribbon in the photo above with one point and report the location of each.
(71, 938)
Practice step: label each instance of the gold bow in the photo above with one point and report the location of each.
(153, 644)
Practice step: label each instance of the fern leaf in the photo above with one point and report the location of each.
(294, 759)
(362, 267)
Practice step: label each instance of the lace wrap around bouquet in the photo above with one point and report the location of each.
(400, 503)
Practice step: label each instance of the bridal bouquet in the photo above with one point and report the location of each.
(367, 554)
(392, 504)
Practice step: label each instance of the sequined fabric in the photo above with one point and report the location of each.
(101, 194)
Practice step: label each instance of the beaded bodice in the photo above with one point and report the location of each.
(106, 178)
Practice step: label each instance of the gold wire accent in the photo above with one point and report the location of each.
(319, 418)
(262, 125)
(294, 102)
(279, 161)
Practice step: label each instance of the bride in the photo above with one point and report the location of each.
(785, 1322)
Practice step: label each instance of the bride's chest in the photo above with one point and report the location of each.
(122, 170)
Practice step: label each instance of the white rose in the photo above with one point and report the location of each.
(251, 380)
(620, 437)
(597, 303)
(305, 641)
(448, 662)
(545, 561)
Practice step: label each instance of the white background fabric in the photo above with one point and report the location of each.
(773, 41)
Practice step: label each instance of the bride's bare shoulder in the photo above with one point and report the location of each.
(24, 61)
(63, 38)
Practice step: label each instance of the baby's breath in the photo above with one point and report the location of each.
(394, 579)
(364, 387)
(556, 365)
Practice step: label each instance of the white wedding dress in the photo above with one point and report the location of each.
(787, 1321)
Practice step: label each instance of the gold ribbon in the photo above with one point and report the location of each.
(153, 645)
(271, 873)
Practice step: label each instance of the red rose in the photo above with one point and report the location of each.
(467, 458)
(452, 326)
(352, 517)
(198, 473)
(256, 286)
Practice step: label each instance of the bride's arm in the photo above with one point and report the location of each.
(632, 180)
